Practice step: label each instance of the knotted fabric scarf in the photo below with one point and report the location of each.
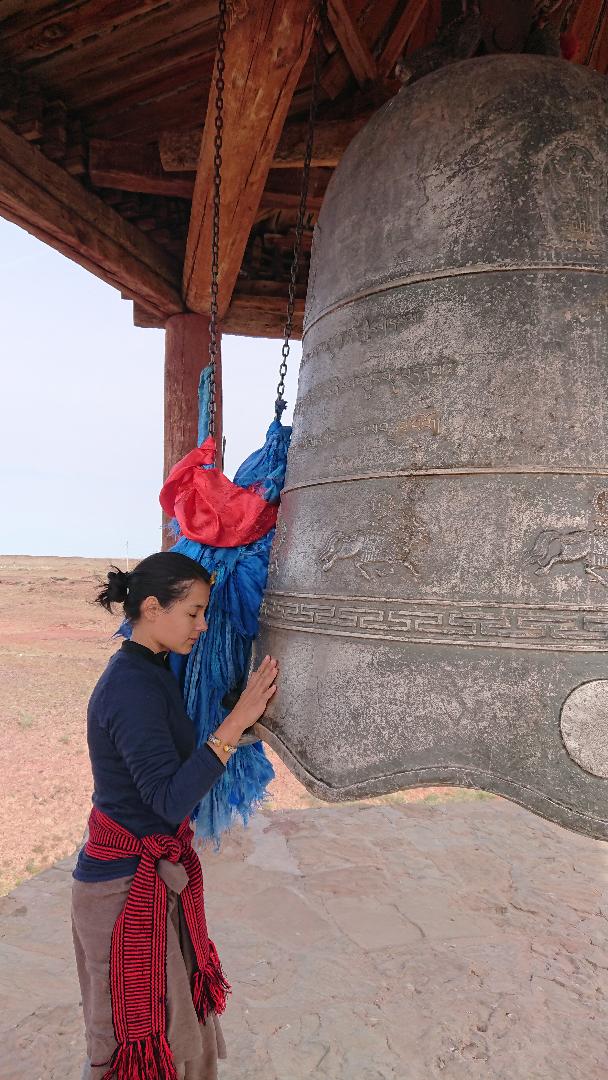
(211, 508)
(139, 948)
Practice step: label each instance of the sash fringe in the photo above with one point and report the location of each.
(146, 1059)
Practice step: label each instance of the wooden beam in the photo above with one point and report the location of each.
(331, 140)
(599, 58)
(262, 314)
(31, 35)
(586, 26)
(396, 43)
(134, 167)
(46, 201)
(265, 53)
(144, 318)
(288, 200)
(354, 46)
(179, 150)
(186, 354)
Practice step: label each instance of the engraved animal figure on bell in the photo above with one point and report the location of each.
(380, 550)
(586, 546)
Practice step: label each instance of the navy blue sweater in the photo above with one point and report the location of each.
(148, 775)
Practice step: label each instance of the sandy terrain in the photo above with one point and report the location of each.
(54, 643)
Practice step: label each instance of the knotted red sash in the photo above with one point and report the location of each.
(139, 948)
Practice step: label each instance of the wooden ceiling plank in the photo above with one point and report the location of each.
(144, 122)
(352, 42)
(134, 167)
(179, 151)
(50, 204)
(29, 36)
(186, 56)
(155, 30)
(395, 46)
(265, 53)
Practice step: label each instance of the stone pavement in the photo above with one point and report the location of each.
(364, 942)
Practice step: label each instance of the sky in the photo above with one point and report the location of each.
(81, 408)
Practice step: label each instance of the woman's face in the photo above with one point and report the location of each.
(177, 628)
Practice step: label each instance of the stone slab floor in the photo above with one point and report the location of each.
(364, 942)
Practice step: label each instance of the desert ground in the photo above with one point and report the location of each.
(428, 934)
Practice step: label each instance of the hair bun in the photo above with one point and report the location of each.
(118, 585)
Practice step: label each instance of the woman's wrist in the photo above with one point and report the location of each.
(232, 727)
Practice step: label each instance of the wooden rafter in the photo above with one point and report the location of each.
(134, 167)
(353, 44)
(265, 53)
(399, 37)
(49, 203)
(179, 151)
(262, 313)
(589, 25)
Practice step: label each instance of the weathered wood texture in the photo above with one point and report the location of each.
(134, 167)
(265, 53)
(41, 197)
(262, 314)
(179, 151)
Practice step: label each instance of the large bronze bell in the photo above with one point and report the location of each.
(438, 596)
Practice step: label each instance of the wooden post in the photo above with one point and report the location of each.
(186, 354)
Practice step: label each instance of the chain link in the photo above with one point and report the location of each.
(217, 184)
(280, 402)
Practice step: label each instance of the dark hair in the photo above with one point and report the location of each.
(165, 575)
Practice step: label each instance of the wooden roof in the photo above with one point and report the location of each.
(105, 154)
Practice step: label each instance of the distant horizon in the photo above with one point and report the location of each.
(81, 414)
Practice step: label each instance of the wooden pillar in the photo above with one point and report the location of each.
(186, 354)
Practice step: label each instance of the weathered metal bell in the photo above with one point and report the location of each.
(438, 597)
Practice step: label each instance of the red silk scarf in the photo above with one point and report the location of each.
(139, 948)
(211, 509)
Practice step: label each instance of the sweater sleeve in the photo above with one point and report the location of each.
(139, 728)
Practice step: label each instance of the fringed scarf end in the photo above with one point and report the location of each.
(210, 987)
(146, 1059)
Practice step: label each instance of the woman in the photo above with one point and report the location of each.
(151, 980)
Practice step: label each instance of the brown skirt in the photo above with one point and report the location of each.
(95, 907)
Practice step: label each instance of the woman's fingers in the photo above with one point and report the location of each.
(266, 673)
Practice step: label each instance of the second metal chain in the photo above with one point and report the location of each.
(215, 227)
(280, 402)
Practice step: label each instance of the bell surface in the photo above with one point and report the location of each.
(438, 593)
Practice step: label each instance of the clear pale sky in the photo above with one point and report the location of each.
(81, 408)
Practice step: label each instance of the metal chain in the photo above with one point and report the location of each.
(280, 402)
(217, 184)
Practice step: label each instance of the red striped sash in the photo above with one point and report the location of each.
(139, 948)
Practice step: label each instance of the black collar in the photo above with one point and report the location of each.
(159, 658)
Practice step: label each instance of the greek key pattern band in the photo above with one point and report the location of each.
(441, 622)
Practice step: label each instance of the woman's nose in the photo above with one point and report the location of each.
(202, 626)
